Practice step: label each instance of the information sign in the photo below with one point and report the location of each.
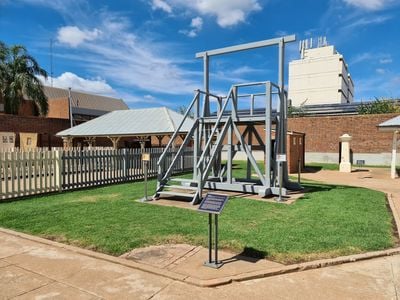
(145, 156)
(213, 203)
(281, 157)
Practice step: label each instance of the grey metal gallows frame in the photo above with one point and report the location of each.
(213, 133)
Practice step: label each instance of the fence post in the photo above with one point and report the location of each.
(125, 164)
(59, 168)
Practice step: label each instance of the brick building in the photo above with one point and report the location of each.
(46, 128)
(322, 137)
(84, 107)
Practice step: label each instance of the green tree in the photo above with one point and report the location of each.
(3, 55)
(182, 110)
(18, 78)
(379, 106)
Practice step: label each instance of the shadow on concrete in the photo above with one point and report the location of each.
(313, 169)
(359, 170)
(248, 254)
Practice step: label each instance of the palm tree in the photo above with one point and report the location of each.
(3, 55)
(18, 71)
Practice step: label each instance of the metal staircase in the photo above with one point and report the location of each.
(204, 157)
(215, 133)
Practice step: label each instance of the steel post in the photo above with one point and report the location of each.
(209, 238)
(216, 240)
(250, 142)
(196, 142)
(268, 133)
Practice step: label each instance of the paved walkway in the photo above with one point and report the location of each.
(33, 268)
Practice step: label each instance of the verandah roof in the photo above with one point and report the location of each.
(134, 122)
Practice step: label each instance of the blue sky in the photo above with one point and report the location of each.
(143, 50)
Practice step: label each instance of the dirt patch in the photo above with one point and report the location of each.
(95, 198)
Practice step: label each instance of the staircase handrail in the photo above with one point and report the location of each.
(206, 171)
(181, 149)
(209, 94)
(173, 137)
(220, 115)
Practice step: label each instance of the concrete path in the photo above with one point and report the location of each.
(30, 269)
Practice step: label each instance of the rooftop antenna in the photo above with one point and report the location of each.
(51, 62)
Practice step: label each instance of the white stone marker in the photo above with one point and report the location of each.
(345, 164)
(393, 173)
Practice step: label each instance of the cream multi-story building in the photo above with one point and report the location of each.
(320, 76)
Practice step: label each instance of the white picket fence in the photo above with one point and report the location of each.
(40, 172)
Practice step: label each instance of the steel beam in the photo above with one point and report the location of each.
(248, 46)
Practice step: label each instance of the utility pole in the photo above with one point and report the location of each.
(70, 107)
(51, 62)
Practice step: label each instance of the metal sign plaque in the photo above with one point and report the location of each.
(146, 156)
(213, 203)
(281, 157)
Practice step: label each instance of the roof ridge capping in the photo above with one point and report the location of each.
(82, 92)
(169, 117)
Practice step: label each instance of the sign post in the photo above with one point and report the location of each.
(145, 160)
(280, 158)
(213, 204)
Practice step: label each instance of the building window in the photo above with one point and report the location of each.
(300, 140)
(294, 141)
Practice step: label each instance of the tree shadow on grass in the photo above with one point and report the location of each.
(310, 188)
(313, 187)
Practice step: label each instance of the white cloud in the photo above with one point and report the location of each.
(195, 27)
(227, 12)
(386, 60)
(380, 71)
(73, 36)
(110, 48)
(133, 61)
(369, 4)
(73, 81)
(382, 58)
(144, 101)
(360, 22)
(160, 4)
(246, 70)
(386, 85)
(197, 23)
(361, 58)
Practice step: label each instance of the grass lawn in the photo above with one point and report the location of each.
(328, 221)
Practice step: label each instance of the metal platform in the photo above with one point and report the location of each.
(229, 129)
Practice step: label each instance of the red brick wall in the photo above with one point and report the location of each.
(58, 108)
(322, 133)
(45, 127)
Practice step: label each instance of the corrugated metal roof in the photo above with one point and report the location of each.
(85, 100)
(148, 121)
(394, 122)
